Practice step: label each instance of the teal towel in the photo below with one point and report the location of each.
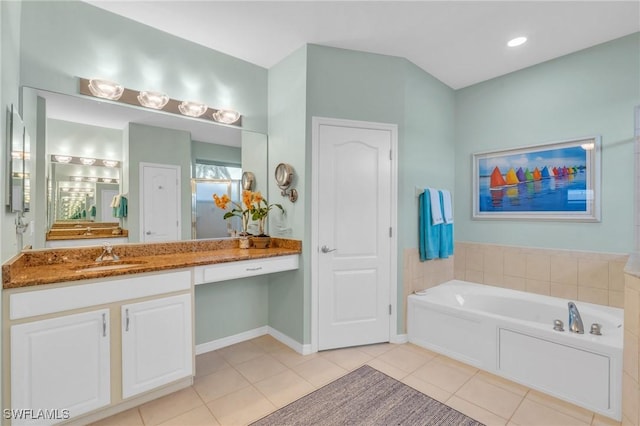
(436, 241)
(429, 234)
(93, 211)
(122, 208)
(446, 235)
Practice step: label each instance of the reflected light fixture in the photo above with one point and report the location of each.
(63, 158)
(105, 89)
(92, 179)
(110, 163)
(518, 41)
(192, 109)
(76, 178)
(87, 161)
(106, 180)
(226, 116)
(155, 100)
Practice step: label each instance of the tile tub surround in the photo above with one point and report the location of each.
(631, 364)
(48, 266)
(578, 275)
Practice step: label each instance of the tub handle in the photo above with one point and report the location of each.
(558, 325)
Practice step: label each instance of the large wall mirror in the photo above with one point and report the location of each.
(93, 151)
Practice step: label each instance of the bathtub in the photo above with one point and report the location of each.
(510, 333)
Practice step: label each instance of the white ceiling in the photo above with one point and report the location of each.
(459, 42)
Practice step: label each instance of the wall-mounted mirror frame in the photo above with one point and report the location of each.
(18, 163)
(253, 159)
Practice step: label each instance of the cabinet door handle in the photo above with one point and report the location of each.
(126, 322)
(104, 325)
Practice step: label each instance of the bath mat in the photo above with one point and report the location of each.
(366, 397)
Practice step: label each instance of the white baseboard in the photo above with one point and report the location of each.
(231, 340)
(293, 344)
(252, 334)
(399, 339)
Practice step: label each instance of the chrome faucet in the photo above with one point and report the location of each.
(575, 321)
(107, 253)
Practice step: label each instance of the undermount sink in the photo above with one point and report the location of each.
(108, 267)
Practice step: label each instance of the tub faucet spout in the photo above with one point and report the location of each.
(575, 321)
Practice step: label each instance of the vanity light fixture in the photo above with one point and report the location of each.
(87, 161)
(105, 89)
(518, 41)
(155, 100)
(192, 109)
(226, 116)
(110, 163)
(63, 158)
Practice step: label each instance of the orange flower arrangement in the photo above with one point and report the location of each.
(256, 207)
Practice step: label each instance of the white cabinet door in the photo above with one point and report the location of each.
(60, 364)
(157, 343)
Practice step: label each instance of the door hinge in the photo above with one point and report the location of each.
(390, 232)
(390, 155)
(389, 308)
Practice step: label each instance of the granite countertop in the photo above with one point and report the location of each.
(38, 267)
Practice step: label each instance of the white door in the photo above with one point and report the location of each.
(61, 364)
(106, 211)
(160, 208)
(157, 343)
(354, 235)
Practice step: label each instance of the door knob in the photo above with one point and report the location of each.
(326, 249)
(148, 232)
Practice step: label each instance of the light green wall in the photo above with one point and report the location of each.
(591, 92)
(288, 292)
(230, 307)
(214, 152)
(156, 145)
(64, 40)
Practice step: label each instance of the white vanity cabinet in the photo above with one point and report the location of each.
(156, 343)
(60, 364)
(74, 346)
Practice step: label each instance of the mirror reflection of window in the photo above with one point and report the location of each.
(210, 179)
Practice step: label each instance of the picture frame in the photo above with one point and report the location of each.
(557, 181)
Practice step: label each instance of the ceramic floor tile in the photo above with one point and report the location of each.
(420, 350)
(269, 343)
(428, 389)
(475, 412)
(404, 359)
(579, 413)
(388, 369)
(129, 418)
(319, 371)
(170, 406)
(200, 416)
(490, 397)
(443, 374)
(377, 349)
(291, 358)
(210, 362)
(284, 388)
(241, 407)
(349, 359)
(531, 413)
(241, 352)
(219, 384)
(260, 368)
(505, 384)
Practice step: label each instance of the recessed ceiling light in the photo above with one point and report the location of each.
(518, 41)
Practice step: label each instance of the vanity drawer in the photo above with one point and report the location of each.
(244, 268)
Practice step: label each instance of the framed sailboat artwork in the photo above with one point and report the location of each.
(554, 181)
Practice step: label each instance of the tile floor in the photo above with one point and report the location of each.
(244, 382)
